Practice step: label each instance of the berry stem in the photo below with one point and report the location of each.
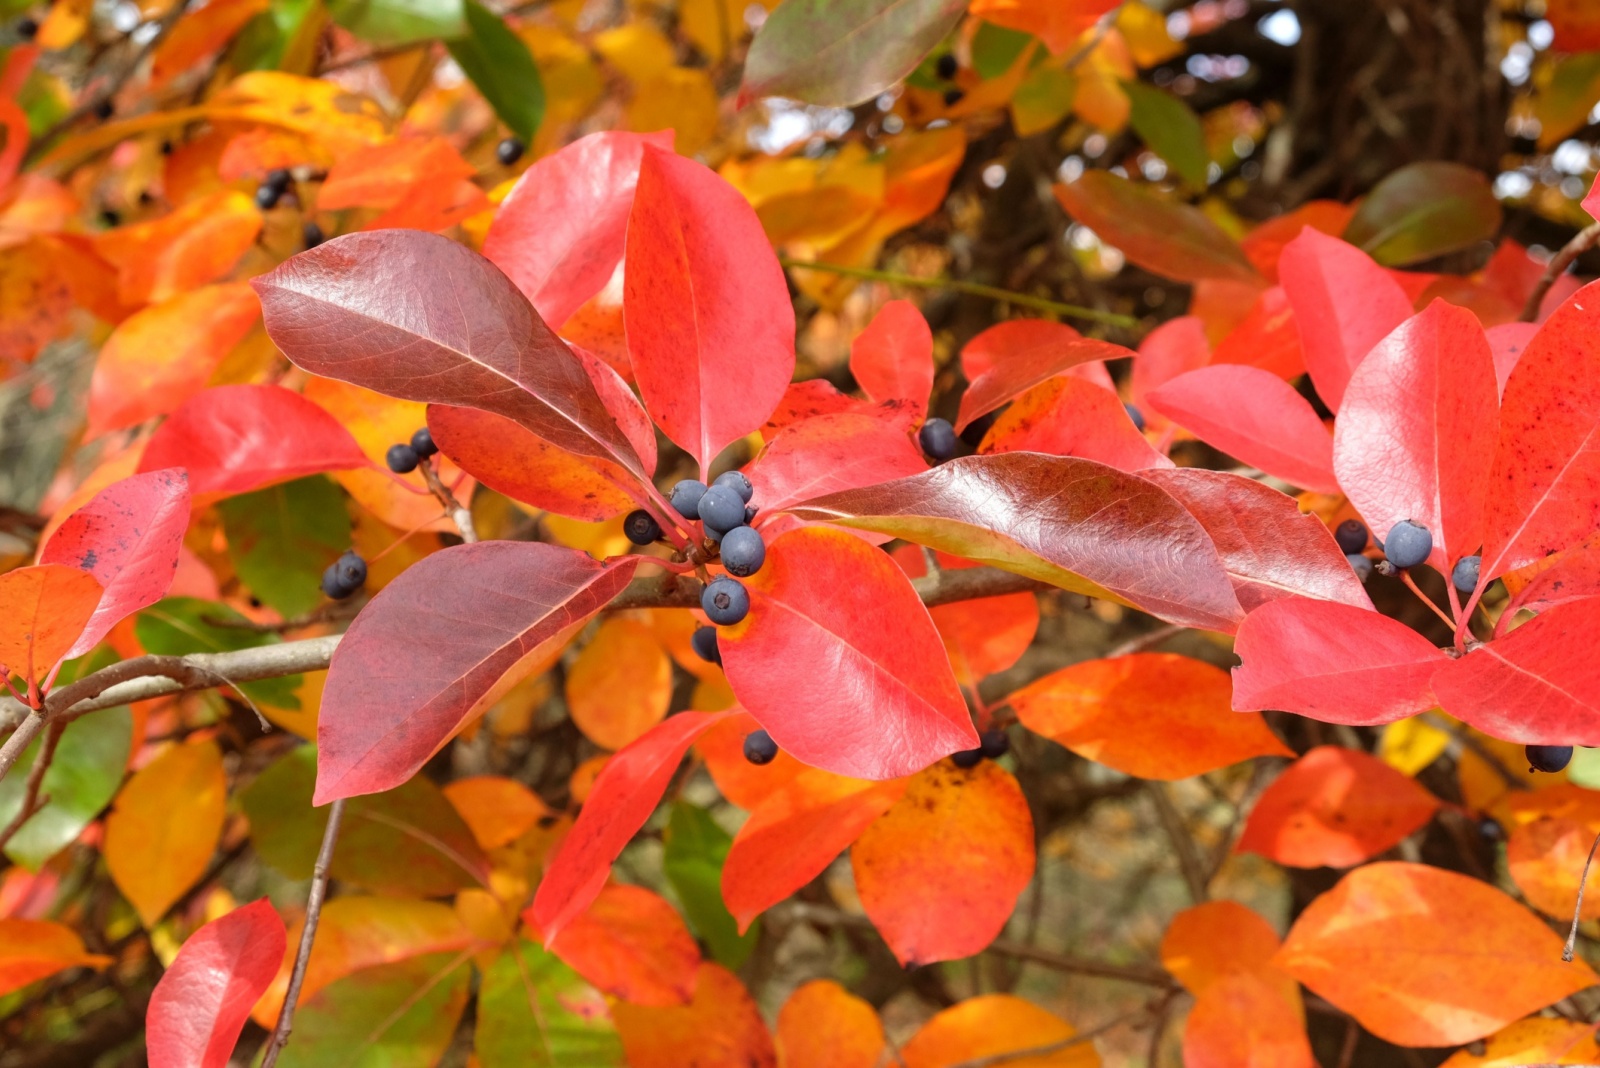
(1405, 576)
(458, 513)
(1462, 632)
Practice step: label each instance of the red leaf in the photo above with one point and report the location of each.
(1069, 416)
(1269, 547)
(420, 317)
(892, 359)
(559, 233)
(201, 1004)
(1173, 240)
(1332, 662)
(234, 439)
(710, 324)
(383, 174)
(827, 453)
(127, 537)
(1174, 347)
(1591, 200)
(817, 396)
(795, 833)
(1267, 337)
(1335, 808)
(1416, 434)
(1573, 575)
(1507, 343)
(633, 944)
(1546, 475)
(1264, 244)
(622, 797)
(1538, 684)
(1254, 416)
(439, 644)
(1069, 522)
(1025, 353)
(1344, 304)
(742, 783)
(856, 684)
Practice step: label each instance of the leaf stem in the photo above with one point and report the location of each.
(976, 289)
(1405, 576)
(1582, 242)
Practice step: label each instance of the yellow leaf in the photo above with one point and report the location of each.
(165, 825)
(621, 684)
(1409, 745)
(679, 98)
(639, 50)
(1145, 30)
(991, 1026)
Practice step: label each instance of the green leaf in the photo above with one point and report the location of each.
(1425, 210)
(1171, 129)
(280, 538)
(386, 23)
(265, 39)
(1043, 99)
(80, 782)
(841, 52)
(178, 625)
(996, 48)
(45, 100)
(409, 840)
(696, 850)
(1562, 106)
(500, 65)
(399, 1015)
(534, 1012)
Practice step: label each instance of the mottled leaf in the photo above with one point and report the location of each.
(534, 1012)
(1172, 239)
(1424, 210)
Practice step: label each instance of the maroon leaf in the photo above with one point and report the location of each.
(1018, 355)
(420, 317)
(706, 306)
(892, 359)
(1574, 575)
(1546, 482)
(234, 439)
(1269, 547)
(1073, 523)
(1343, 304)
(1416, 436)
(623, 796)
(827, 453)
(438, 645)
(560, 232)
(1071, 416)
(1173, 240)
(127, 537)
(1254, 416)
(1332, 662)
(201, 1004)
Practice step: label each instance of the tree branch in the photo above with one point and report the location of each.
(308, 935)
(1585, 240)
(1194, 873)
(31, 801)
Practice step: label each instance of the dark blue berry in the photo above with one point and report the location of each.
(722, 508)
(641, 527)
(1351, 536)
(509, 151)
(994, 744)
(344, 576)
(1136, 415)
(311, 235)
(966, 758)
(27, 29)
(1361, 565)
(331, 584)
(267, 196)
(1550, 758)
(725, 601)
(759, 748)
(743, 551)
(946, 66)
(938, 439)
(278, 178)
(736, 481)
(422, 443)
(704, 643)
(401, 458)
(685, 497)
(1408, 544)
(952, 97)
(1464, 576)
(104, 109)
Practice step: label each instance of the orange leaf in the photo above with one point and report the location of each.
(33, 949)
(34, 204)
(198, 243)
(1537, 1039)
(621, 683)
(1335, 807)
(171, 810)
(46, 608)
(982, 637)
(795, 833)
(497, 810)
(1426, 957)
(161, 356)
(1058, 23)
(380, 176)
(200, 33)
(1207, 942)
(1244, 1021)
(722, 1025)
(633, 944)
(741, 782)
(940, 872)
(823, 1025)
(1152, 715)
(995, 1025)
(1545, 858)
(35, 299)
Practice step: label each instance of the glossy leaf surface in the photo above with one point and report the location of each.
(203, 999)
(1173, 240)
(828, 453)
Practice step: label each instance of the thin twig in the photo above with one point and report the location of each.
(1194, 873)
(1405, 577)
(459, 515)
(332, 612)
(32, 802)
(302, 957)
(1585, 240)
(1577, 910)
(1352, 1036)
(1144, 641)
(1098, 969)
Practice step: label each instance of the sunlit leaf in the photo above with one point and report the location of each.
(823, 1025)
(621, 683)
(90, 760)
(172, 809)
(200, 1006)
(994, 1025)
(631, 943)
(401, 1015)
(47, 607)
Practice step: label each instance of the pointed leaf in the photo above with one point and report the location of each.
(1426, 957)
(722, 1025)
(90, 760)
(1070, 416)
(1335, 808)
(621, 683)
(1151, 715)
(1253, 416)
(1244, 1021)
(631, 943)
(127, 537)
(438, 644)
(31, 950)
(1171, 239)
(995, 1025)
(280, 539)
(48, 607)
(827, 453)
(420, 317)
(695, 851)
(500, 65)
(203, 999)
(892, 359)
(1424, 210)
(1069, 522)
(823, 1025)
(1171, 129)
(858, 686)
(172, 809)
(234, 439)
(1171, 349)
(838, 52)
(1025, 358)
(534, 1012)
(1332, 662)
(401, 1014)
(941, 871)
(709, 320)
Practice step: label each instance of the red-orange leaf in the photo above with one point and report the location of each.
(1015, 356)
(633, 944)
(34, 949)
(827, 453)
(1071, 416)
(823, 1025)
(994, 1025)
(381, 175)
(1245, 1021)
(1426, 957)
(1153, 715)
(892, 359)
(1546, 857)
(857, 684)
(1335, 807)
(741, 782)
(940, 872)
(201, 1004)
(1208, 941)
(46, 608)
(722, 1025)
(182, 250)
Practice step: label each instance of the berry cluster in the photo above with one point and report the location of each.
(344, 576)
(405, 457)
(271, 190)
(991, 744)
